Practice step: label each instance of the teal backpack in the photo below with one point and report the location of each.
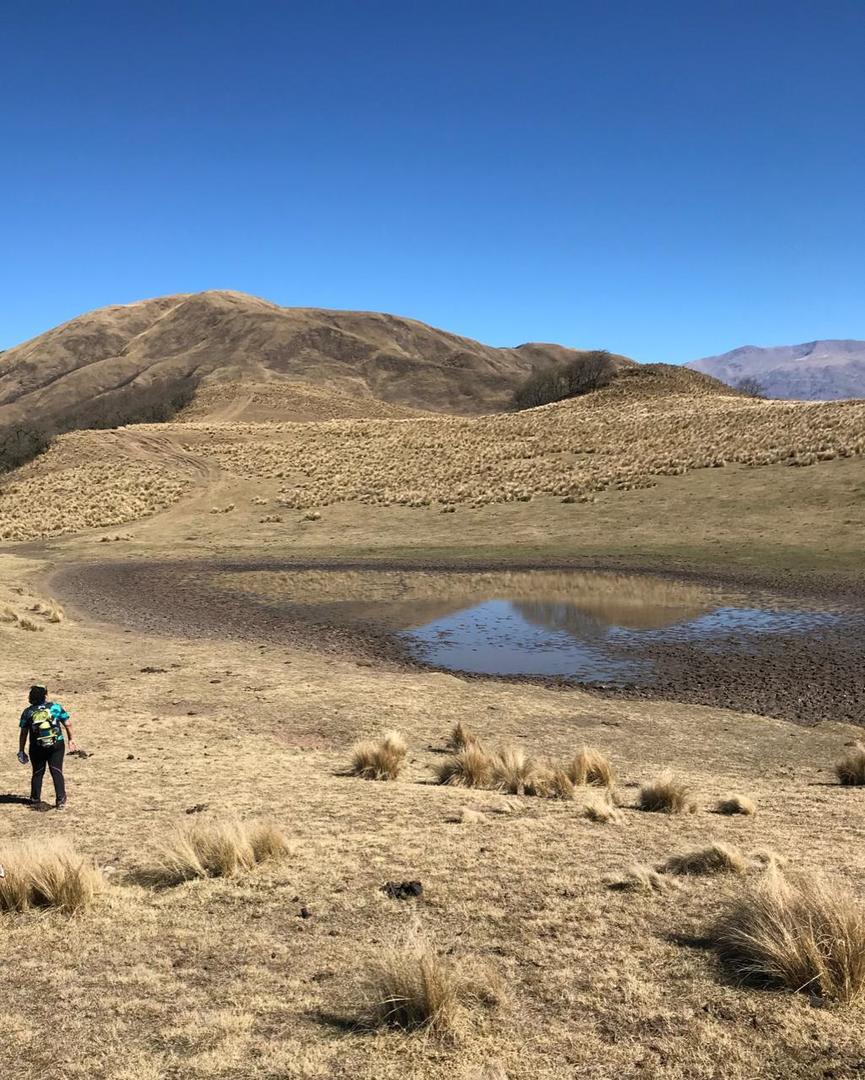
(44, 727)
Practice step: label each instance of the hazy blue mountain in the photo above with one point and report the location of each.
(813, 371)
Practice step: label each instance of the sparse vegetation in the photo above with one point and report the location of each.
(800, 934)
(460, 736)
(850, 770)
(218, 849)
(43, 874)
(515, 772)
(382, 760)
(666, 795)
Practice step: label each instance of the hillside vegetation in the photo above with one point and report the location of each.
(651, 423)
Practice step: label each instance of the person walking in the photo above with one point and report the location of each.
(45, 722)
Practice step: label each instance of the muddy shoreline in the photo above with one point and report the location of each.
(804, 678)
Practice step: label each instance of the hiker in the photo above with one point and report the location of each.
(45, 721)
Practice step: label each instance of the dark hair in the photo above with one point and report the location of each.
(37, 695)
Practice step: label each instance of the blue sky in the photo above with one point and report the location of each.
(665, 179)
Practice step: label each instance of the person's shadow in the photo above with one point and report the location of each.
(20, 800)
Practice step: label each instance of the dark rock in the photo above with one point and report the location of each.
(304, 912)
(198, 808)
(402, 890)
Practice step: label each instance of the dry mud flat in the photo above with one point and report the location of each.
(807, 677)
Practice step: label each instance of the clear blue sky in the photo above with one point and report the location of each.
(663, 178)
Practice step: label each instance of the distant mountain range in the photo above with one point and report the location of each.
(814, 371)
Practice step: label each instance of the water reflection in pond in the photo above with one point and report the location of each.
(594, 627)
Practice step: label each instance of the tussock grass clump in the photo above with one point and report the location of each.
(223, 849)
(591, 767)
(470, 767)
(382, 760)
(666, 795)
(735, 804)
(412, 988)
(553, 782)
(7, 615)
(26, 623)
(638, 878)
(602, 812)
(850, 770)
(515, 772)
(802, 933)
(716, 858)
(460, 737)
(51, 875)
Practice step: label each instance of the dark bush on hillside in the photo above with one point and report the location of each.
(750, 386)
(20, 444)
(582, 375)
(155, 403)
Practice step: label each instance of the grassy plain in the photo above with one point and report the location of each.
(227, 978)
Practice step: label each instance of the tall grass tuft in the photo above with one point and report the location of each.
(591, 767)
(470, 767)
(47, 875)
(412, 988)
(716, 858)
(666, 795)
(515, 772)
(460, 737)
(223, 849)
(382, 760)
(850, 770)
(804, 933)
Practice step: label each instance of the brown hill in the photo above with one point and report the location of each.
(101, 366)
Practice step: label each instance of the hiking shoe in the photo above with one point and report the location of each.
(61, 805)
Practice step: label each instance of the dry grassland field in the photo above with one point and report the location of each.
(684, 901)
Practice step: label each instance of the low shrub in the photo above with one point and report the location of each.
(382, 760)
(47, 875)
(804, 933)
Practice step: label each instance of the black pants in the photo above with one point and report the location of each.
(51, 758)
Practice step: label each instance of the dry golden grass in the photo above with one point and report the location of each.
(591, 767)
(460, 737)
(515, 772)
(666, 795)
(219, 849)
(413, 988)
(735, 804)
(601, 811)
(92, 480)
(47, 875)
(470, 767)
(638, 878)
(553, 782)
(850, 770)
(800, 934)
(382, 760)
(570, 449)
(715, 858)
